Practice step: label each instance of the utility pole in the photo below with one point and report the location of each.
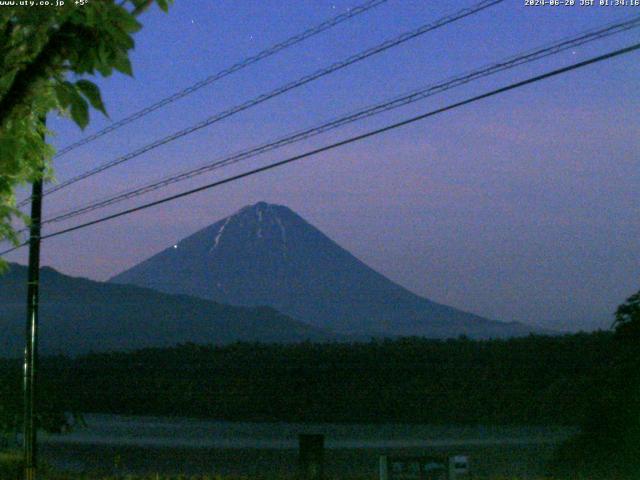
(31, 347)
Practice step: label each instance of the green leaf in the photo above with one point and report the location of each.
(91, 91)
(123, 40)
(103, 63)
(163, 4)
(126, 21)
(123, 64)
(63, 95)
(80, 111)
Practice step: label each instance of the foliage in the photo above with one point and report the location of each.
(53, 404)
(530, 380)
(627, 322)
(11, 466)
(47, 52)
(609, 442)
(405, 380)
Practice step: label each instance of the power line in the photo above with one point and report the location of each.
(267, 52)
(511, 62)
(350, 140)
(279, 91)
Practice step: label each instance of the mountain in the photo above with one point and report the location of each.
(78, 316)
(268, 255)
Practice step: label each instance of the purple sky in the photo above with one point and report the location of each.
(521, 207)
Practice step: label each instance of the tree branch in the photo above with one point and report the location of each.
(40, 68)
(25, 79)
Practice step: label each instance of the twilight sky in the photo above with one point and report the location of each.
(521, 207)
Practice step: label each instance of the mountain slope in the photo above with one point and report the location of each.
(268, 255)
(79, 315)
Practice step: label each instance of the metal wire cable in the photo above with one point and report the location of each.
(399, 101)
(267, 52)
(332, 146)
(484, 4)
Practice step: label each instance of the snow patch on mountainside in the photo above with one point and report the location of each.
(217, 238)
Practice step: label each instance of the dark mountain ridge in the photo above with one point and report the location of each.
(79, 316)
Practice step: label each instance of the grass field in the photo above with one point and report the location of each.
(522, 462)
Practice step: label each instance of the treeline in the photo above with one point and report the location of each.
(531, 380)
